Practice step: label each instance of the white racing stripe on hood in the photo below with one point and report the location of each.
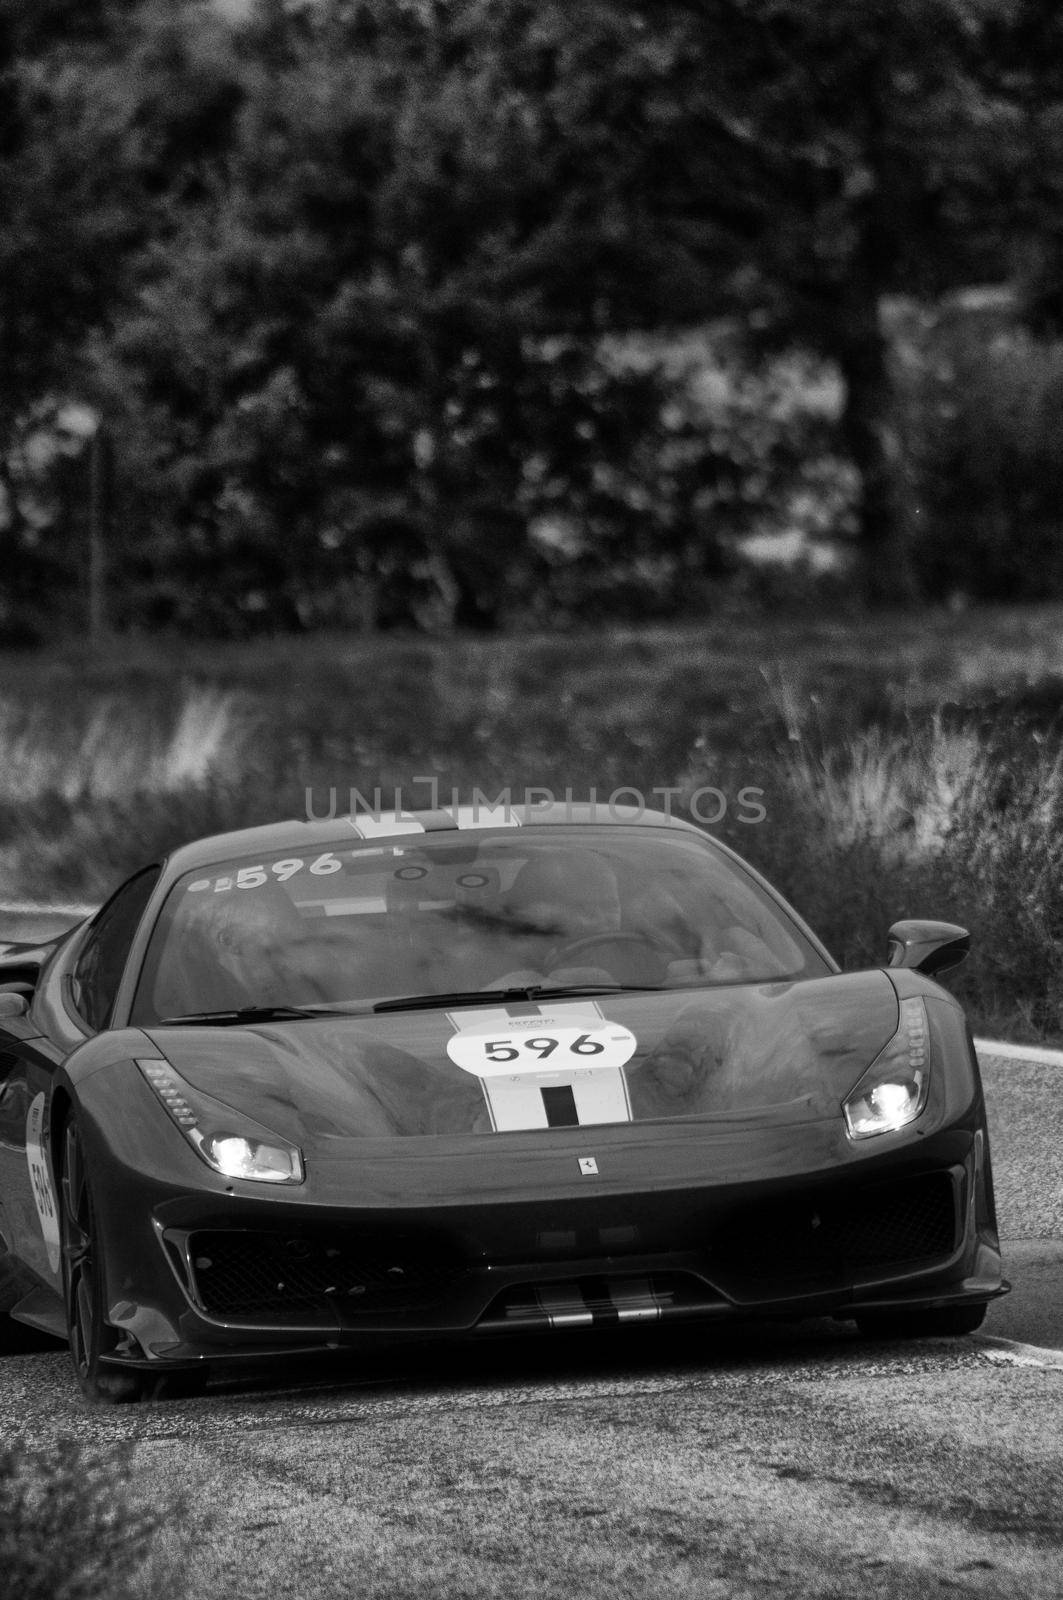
(484, 816)
(370, 827)
(571, 1075)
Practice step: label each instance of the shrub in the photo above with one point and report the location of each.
(929, 821)
(69, 1529)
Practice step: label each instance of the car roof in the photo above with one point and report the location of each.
(297, 834)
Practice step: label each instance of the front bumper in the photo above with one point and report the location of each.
(255, 1278)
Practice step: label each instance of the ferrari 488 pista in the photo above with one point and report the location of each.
(327, 1084)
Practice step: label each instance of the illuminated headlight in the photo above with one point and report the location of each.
(238, 1157)
(894, 1088)
(230, 1143)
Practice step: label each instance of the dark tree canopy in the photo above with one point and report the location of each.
(343, 278)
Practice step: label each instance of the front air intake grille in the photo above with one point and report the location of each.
(915, 1221)
(246, 1274)
(816, 1241)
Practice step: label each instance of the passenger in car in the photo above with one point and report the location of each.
(251, 947)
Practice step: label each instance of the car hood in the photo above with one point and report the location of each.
(786, 1051)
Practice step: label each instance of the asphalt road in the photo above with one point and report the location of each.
(798, 1464)
(795, 1461)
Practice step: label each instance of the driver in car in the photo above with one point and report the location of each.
(554, 904)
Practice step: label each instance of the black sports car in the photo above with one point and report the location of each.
(322, 1084)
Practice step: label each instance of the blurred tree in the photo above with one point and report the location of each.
(352, 347)
(348, 271)
(63, 225)
(96, 145)
(986, 412)
(792, 162)
(1022, 66)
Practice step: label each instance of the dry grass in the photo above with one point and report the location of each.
(960, 825)
(907, 794)
(909, 767)
(117, 748)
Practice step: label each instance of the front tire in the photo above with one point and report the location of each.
(92, 1338)
(942, 1322)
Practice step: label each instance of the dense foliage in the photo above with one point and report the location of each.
(71, 1527)
(325, 310)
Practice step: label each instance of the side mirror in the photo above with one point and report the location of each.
(13, 1004)
(928, 947)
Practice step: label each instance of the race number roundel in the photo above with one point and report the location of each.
(539, 1046)
(41, 1181)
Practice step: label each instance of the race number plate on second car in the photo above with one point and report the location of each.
(545, 1069)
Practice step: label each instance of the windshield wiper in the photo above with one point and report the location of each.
(531, 991)
(254, 1014)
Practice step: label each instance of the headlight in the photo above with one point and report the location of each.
(229, 1142)
(893, 1090)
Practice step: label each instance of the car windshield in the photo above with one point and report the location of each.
(458, 913)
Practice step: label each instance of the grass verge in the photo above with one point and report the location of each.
(908, 766)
